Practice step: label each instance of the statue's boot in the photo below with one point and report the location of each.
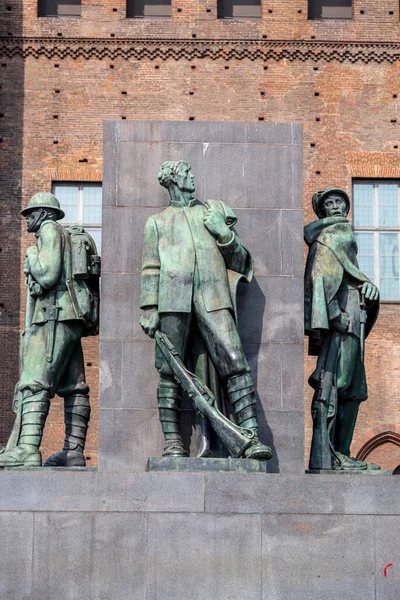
(169, 408)
(344, 431)
(77, 415)
(35, 408)
(346, 463)
(243, 399)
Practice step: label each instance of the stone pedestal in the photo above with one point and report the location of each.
(256, 168)
(198, 465)
(197, 536)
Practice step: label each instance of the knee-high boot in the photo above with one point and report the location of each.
(169, 408)
(77, 414)
(35, 408)
(242, 397)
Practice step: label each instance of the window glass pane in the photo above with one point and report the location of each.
(92, 204)
(363, 204)
(148, 8)
(365, 256)
(96, 235)
(388, 204)
(330, 9)
(67, 195)
(59, 8)
(239, 9)
(389, 266)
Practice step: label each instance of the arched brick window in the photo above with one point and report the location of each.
(383, 448)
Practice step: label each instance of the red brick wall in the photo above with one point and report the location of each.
(354, 136)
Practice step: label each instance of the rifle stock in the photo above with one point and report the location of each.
(24, 343)
(321, 456)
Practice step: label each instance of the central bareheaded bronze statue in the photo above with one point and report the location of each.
(193, 260)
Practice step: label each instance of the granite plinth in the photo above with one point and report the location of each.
(366, 472)
(219, 536)
(59, 469)
(196, 465)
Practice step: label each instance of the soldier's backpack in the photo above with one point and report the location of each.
(84, 267)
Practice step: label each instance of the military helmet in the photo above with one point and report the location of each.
(43, 200)
(319, 197)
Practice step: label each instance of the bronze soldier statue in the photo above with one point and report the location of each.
(192, 262)
(341, 307)
(62, 271)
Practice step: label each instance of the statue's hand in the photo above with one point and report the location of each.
(341, 322)
(370, 291)
(150, 321)
(215, 223)
(26, 266)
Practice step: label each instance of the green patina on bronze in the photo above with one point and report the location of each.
(62, 276)
(341, 307)
(193, 260)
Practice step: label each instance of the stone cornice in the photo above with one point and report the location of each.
(189, 49)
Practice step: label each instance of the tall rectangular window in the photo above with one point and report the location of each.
(82, 204)
(376, 210)
(59, 8)
(330, 9)
(238, 9)
(148, 8)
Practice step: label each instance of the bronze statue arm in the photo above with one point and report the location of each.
(45, 263)
(151, 265)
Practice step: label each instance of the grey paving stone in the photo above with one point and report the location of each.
(16, 555)
(283, 431)
(111, 155)
(52, 491)
(113, 241)
(47, 491)
(120, 309)
(265, 364)
(292, 243)
(62, 556)
(321, 556)
(110, 374)
(270, 310)
(211, 131)
(387, 551)
(151, 492)
(302, 494)
(260, 232)
(127, 438)
(112, 131)
(204, 556)
(119, 556)
(293, 377)
(139, 165)
(256, 175)
(297, 177)
(139, 375)
(134, 222)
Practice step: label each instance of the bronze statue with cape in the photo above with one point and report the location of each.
(341, 307)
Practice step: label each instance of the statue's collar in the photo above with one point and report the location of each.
(177, 204)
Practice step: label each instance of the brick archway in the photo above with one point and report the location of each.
(383, 437)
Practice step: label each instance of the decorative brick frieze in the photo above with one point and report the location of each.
(189, 49)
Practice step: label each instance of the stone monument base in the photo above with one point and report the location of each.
(196, 465)
(198, 536)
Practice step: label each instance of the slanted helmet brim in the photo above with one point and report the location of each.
(26, 211)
